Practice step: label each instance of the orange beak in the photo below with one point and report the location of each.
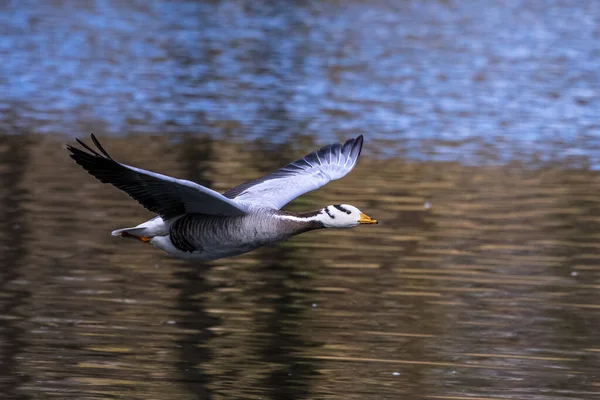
(365, 219)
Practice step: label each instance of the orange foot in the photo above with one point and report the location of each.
(144, 239)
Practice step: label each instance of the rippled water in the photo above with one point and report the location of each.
(492, 81)
(480, 282)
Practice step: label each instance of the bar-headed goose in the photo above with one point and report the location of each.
(195, 222)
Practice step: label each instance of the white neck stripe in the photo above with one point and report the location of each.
(298, 219)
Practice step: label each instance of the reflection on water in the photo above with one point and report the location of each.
(490, 293)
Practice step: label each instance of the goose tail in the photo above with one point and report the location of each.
(154, 227)
(129, 231)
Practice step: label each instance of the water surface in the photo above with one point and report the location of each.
(449, 80)
(479, 281)
(481, 150)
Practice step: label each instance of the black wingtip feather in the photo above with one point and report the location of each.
(99, 146)
(359, 140)
(88, 148)
(357, 147)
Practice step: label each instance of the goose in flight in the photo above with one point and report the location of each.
(195, 222)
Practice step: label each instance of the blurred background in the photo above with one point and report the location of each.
(481, 160)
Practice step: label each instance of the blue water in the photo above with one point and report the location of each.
(469, 81)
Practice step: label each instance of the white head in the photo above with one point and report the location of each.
(343, 216)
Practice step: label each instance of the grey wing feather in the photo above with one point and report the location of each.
(316, 169)
(161, 194)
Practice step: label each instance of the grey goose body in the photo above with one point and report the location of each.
(195, 222)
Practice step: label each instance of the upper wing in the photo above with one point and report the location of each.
(161, 194)
(309, 173)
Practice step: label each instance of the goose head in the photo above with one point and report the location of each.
(343, 216)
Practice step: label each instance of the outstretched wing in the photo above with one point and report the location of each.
(309, 173)
(161, 194)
